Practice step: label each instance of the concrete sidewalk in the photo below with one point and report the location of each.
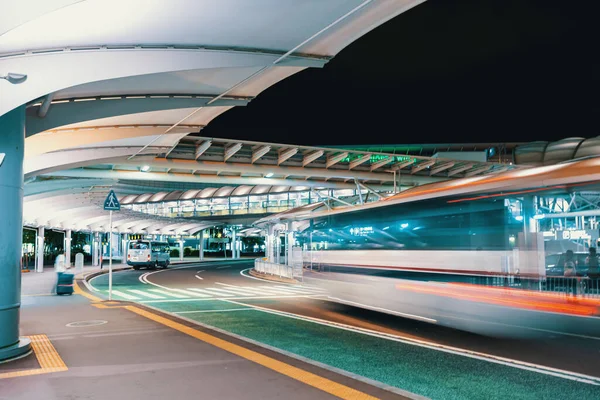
(109, 350)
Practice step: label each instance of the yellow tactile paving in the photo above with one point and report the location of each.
(326, 385)
(47, 356)
(78, 290)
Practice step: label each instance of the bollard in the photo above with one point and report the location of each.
(79, 263)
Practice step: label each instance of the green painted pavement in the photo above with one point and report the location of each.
(427, 372)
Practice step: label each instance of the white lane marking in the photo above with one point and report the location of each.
(142, 278)
(265, 290)
(241, 291)
(187, 292)
(210, 311)
(142, 293)
(314, 289)
(124, 295)
(574, 376)
(275, 289)
(219, 292)
(199, 277)
(179, 296)
(206, 293)
(533, 329)
(229, 298)
(198, 293)
(200, 271)
(385, 310)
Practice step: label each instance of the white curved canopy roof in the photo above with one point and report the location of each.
(113, 85)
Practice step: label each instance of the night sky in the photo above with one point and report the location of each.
(443, 72)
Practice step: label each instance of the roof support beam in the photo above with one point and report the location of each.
(334, 159)
(324, 200)
(480, 170)
(312, 156)
(402, 164)
(331, 198)
(285, 154)
(231, 150)
(381, 163)
(370, 190)
(260, 151)
(442, 167)
(363, 159)
(45, 105)
(202, 148)
(359, 190)
(460, 169)
(422, 165)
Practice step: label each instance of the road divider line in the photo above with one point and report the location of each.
(324, 384)
(199, 277)
(574, 376)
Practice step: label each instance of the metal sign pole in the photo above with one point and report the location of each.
(110, 259)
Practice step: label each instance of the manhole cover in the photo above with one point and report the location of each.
(81, 324)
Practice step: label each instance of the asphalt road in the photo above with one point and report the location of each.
(420, 357)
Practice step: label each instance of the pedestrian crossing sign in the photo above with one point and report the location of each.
(112, 203)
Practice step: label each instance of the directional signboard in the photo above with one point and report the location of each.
(112, 203)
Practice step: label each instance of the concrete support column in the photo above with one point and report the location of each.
(67, 248)
(39, 247)
(270, 244)
(277, 246)
(180, 250)
(124, 240)
(289, 241)
(12, 142)
(96, 248)
(233, 244)
(201, 246)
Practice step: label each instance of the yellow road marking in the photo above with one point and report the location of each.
(47, 356)
(298, 374)
(88, 296)
(100, 305)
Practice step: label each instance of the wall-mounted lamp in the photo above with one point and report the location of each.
(14, 78)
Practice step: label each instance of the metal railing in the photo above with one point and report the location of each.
(569, 286)
(267, 268)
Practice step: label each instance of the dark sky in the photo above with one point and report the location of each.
(443, 72)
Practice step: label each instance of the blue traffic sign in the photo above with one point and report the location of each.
(112, 203)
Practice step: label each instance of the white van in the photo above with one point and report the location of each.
(148, 253)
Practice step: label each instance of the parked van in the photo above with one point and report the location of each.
(148, 253)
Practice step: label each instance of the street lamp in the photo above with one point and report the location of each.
(14, 78)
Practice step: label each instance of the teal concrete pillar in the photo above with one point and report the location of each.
(12, 141)
(201, 245)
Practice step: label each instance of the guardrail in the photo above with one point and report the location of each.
(280, 270)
